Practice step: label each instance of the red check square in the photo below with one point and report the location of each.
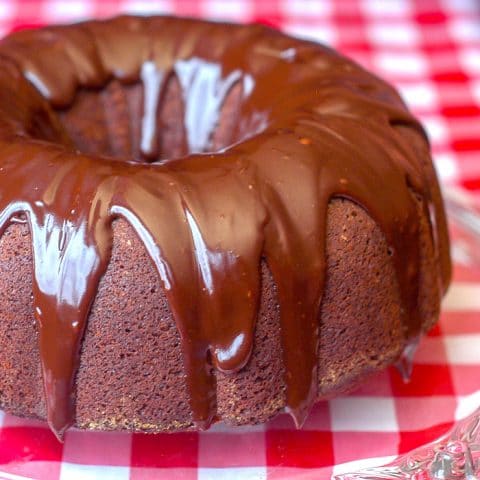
(165, 450)
(299, 448)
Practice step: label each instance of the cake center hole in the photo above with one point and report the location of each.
(194, 108)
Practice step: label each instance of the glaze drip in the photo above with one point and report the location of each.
(311, 126)
(152, 80)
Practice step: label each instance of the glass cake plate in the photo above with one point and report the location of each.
(455, 456)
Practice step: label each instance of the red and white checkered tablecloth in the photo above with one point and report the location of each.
(429, 49)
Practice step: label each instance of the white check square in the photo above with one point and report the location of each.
(73, 471)
(369, 414)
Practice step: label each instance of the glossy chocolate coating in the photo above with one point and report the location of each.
(312, 126)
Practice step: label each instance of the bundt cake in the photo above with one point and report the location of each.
(204, 222)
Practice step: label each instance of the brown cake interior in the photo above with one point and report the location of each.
(108, 121)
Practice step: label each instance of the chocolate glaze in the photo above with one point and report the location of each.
(312, 125)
